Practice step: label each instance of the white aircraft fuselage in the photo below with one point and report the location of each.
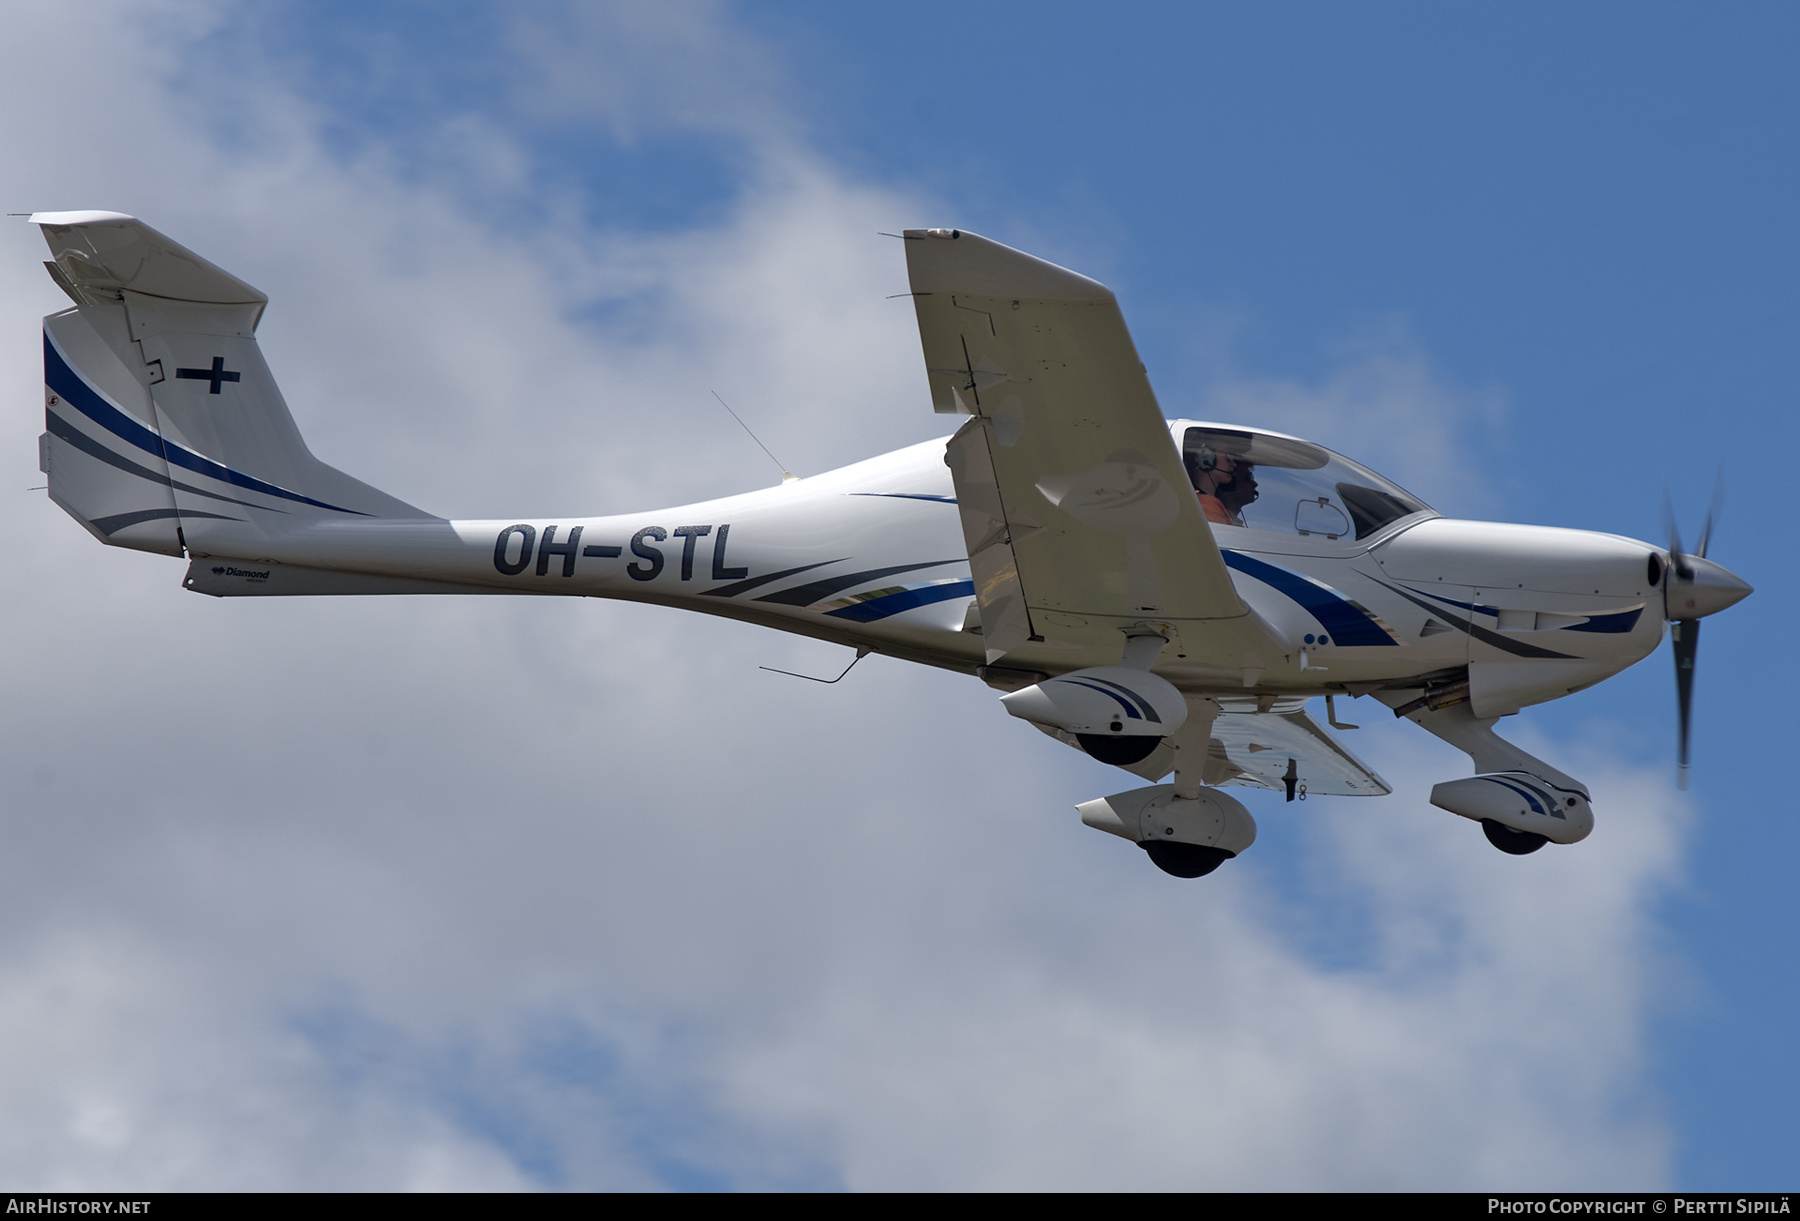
(1165, 596)
(872, 555)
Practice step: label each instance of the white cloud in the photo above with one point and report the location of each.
(1178, 1040)
(390, 893)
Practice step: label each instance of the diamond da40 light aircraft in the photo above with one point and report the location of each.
(1164, 595)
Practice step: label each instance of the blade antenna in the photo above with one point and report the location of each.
(861, 653)
(786, 475)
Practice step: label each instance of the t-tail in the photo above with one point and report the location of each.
(164, 428)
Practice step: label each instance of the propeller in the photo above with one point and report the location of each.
(1686, 638)
(1695, 587)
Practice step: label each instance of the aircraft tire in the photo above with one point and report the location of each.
(1184, 860)
(1120, 752)
(1509, 841)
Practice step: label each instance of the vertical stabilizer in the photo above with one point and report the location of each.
(165, 428)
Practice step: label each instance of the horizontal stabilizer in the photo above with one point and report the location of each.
(98, 255)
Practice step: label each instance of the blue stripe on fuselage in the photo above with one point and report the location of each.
(905, 600)
(1345, 623)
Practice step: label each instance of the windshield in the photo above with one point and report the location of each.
(1264, 481)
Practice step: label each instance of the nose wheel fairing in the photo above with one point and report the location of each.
(1514, 790)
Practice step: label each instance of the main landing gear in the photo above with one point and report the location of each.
(1184, 860)
(1511, 842)
(1185, 837)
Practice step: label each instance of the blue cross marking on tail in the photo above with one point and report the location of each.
(217, 375)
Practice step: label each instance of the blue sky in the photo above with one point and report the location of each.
(1535, 262)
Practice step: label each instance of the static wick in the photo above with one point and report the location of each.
(861, 653)
(786, 475)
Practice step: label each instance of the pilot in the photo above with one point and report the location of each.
(1223, 483)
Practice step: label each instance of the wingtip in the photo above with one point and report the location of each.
(959, 261)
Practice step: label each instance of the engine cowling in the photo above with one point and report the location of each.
(1117, 713)
(1521, 801)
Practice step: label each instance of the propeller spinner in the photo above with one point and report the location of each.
(1696, 587)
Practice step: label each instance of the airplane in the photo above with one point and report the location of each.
(1166, 596)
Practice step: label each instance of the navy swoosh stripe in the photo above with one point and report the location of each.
(75, 391)
(1133, 696)
(1530, 799)
(1612, 621)
(905, 600)
(818, 591)
(1550, 802)
(1345, 623)
(743, 587)
(66, 431)
(1516, 647)
(1130, 710)
(947, 500)
(118, 521)
(1468, 606)
(1618, 621)
(1554, 811)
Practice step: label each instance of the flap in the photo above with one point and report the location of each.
(1259, 747)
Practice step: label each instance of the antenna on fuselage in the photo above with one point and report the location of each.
(787, 476)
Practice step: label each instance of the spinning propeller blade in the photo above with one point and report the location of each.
(1677, 557)
(1686, 638)
(1695, 587)
(1712, 512)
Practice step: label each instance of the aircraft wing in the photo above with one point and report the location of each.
(1078, 516)
(1259, 747)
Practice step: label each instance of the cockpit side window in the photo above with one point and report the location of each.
(1224, 481)
(1372, 508)
(1264, 481)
